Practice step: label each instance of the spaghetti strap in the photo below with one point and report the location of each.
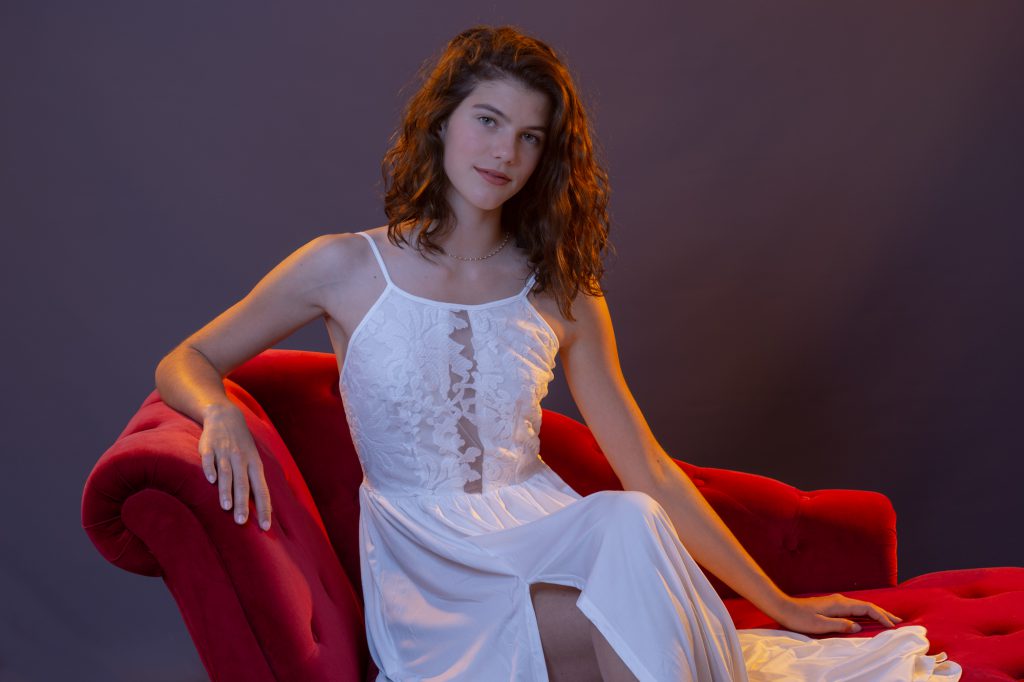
(380, 260)
(529, 284)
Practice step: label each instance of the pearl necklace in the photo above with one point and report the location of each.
(500, 247)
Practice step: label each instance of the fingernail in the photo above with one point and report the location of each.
(239, 518)
(226, 503)
(855, 628)
(265, 525)
(209, 477)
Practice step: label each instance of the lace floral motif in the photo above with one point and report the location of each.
(441, 398)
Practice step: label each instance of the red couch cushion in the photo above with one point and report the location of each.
(975, 615)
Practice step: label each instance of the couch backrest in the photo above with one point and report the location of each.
(784, 528)
(298, 390)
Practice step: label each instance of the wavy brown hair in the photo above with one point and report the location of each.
(560, 216)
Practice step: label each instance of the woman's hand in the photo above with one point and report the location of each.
(229, 457)
(813, 615)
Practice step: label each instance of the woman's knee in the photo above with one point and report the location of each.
(631, 505)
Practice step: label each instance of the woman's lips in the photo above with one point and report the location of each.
(491, 178)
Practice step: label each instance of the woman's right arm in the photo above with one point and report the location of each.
(190, 377)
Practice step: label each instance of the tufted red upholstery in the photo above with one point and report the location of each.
(291, 598)
(975, 615)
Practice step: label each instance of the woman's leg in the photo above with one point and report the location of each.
(574, 650)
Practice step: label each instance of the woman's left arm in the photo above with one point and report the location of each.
(591, 365)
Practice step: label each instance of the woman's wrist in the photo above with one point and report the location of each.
(778, 606)
(218, 410)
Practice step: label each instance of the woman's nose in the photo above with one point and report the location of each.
(504, 148)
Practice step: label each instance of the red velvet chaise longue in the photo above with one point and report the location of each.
(286, 605)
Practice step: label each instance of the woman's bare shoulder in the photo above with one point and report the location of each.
(588, 310)
(346, 251)
(347, 267)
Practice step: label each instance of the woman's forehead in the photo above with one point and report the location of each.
(510, 99)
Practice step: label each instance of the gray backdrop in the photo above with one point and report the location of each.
(816, 206)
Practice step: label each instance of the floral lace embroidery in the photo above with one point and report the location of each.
(445, 399)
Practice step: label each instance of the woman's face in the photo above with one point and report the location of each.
(500, 127)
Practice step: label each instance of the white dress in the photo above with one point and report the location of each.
(459, 515)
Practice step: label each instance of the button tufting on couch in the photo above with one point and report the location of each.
(291, 598)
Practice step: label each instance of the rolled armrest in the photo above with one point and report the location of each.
(259, 605)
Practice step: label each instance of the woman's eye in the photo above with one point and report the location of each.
(487, 120)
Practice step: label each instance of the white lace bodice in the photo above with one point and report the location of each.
(445, 397)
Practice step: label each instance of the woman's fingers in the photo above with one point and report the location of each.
(884, 617)
(206, 457)
(241, 491)
(879, 615)
(230, 459)
(261, 491)
(849, 626)
(831, 613)
(836, 625)
(224, 475)
(845, 605)
(238, 474)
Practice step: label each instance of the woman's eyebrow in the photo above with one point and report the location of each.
(501, 114)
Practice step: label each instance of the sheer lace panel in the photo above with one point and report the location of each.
(444, 399)
(463, 397)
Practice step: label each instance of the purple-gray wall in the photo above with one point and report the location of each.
(817, 210)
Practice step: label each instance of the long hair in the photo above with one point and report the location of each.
(560, 216)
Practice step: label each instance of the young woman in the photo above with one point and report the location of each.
(478, 561)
